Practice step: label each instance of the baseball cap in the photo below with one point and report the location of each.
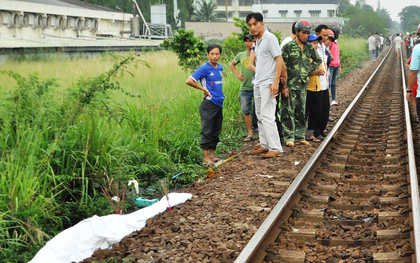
(249, 37)
(331, 34)
(313, 37)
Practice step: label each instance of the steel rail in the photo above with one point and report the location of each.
(414, 186)
(256, 246)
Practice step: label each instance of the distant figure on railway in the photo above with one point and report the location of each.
(300, 59)
(372, 47)
(407, 45)
(398, 44)
(246, 88)
(414, 87)
(414, 76)
(377, 44)
(269, 64)
(382, 42)
(211, 108)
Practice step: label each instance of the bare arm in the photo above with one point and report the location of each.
(274, 90)
(412, 75)
(252, 61)
(192, 83)
(233, 67)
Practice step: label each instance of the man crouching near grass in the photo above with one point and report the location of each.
(210, 76)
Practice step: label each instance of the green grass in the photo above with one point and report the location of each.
(352, 53)
(64, 131)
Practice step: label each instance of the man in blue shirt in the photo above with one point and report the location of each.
(210, 76)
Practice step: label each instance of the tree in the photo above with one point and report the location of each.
(409, 17)
(384, 14)
(363, 22)
(343, 6)
(205, 11)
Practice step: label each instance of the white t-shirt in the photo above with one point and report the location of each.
(285, 41)
(371, 41)
(323, 55)
(398, 42)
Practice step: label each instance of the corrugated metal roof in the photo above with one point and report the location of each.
(70, 3)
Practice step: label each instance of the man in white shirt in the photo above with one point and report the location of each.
(398, 43)
(372, 47)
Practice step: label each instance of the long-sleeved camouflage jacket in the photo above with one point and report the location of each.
(299, 64)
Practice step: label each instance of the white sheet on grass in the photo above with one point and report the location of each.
(80, 241)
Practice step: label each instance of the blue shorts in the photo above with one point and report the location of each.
(247, 97)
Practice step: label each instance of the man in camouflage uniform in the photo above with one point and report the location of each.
(300, 58)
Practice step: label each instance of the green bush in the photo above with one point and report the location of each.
(191, 50)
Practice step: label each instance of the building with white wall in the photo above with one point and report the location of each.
(39, 19)
(295, 9)
(279, 10)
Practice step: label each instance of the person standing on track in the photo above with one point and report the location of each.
(300, 59)
(269, 64)
(372, 47)
(211, 108)
(398, 42)
(413, 93)
(246, 88)
(414, 75)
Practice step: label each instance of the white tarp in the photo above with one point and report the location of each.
(80, 241)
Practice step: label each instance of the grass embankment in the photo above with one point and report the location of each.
(352, 52)
(60, 139)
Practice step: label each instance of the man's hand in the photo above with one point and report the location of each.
(285, 92)
(409, 97)
(240, 77)
(206, 93)
(283, 80)
(319, 72)
(339, 71)
(274, 90)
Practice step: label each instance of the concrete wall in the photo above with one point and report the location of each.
(272, 10)
(30, 20)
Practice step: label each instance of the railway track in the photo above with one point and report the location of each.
(353, 200)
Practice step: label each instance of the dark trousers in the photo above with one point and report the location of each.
(314, 102)
(254, 119)
(377, 51)
(418, 105)
(278, 117)
(211, 124)
(408, 50)
(325, 110)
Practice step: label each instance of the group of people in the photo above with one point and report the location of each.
(376, 45)
(413, 62)
(299, 73)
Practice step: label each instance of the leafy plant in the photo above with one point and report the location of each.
(190, 50)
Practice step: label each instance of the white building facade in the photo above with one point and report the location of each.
(279, 9)
(38, 19)
(296, 9)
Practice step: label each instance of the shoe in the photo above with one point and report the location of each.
(333, 103)
(320, 137)
(324, 134)
(259, 150)
(248, 139)
(312, 138)
(290, 144)
(271, 154)
(303, 142)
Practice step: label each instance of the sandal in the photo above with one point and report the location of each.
(290, 144)
(312, 138)
(304, 142)
(248, 139)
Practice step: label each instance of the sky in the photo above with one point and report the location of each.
(393, 6)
